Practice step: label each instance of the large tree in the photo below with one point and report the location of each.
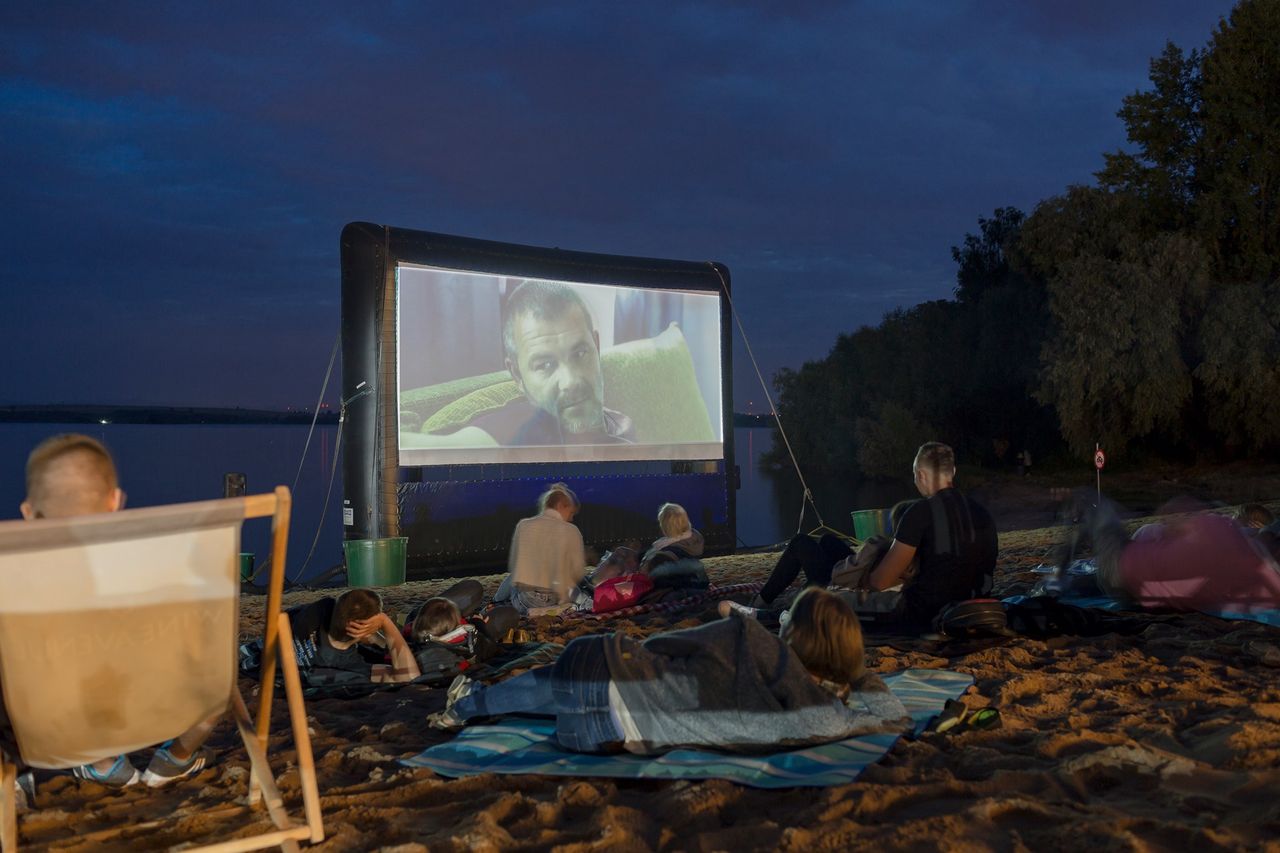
(984, 257)
(1206, 141)
(1240, 117)
(1116, 363)
(1240, 373)
(1164, 124)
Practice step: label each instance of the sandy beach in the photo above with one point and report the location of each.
(1165, 739)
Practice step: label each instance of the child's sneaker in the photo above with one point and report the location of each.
(165, 768)
(121, 775)
(24, 789)
(447, 720)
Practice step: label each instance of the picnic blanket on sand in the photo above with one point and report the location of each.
(693, 599)
(529, 746)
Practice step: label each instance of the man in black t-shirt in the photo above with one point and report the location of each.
(953, 537)
(327, 634)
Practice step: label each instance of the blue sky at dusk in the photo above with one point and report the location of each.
(175, 176)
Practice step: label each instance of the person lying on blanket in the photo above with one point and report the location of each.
(1203, 562)
(328, 633)
(729, 684)
(447, 633)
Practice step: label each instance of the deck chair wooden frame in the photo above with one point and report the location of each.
(31, 537)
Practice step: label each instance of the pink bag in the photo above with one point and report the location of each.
(617, 593)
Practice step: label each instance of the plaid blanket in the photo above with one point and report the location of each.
(521, 745)
(693, 599)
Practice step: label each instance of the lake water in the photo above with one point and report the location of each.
(169, 463)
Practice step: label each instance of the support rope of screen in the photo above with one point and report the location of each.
(324, 508)
(324, 387)
(808, 495)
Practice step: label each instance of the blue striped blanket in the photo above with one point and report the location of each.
(519, 745)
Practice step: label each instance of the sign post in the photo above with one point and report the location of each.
(1099, 459)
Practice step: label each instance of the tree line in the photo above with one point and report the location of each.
(1142, 312)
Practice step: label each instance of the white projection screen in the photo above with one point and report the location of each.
(504, 369)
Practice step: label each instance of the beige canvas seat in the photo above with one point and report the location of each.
(120, 631)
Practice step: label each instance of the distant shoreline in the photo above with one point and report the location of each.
(104, 414)
(107, 414)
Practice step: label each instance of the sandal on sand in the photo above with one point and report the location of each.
(517, 636)
(984, 718)
(953, 713)
(955, 716)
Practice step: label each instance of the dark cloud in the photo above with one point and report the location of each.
(177, 176)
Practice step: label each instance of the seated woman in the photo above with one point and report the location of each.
(679, 540)
(547, 559)
(729, 684)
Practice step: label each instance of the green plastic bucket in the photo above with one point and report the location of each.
(246, 566)
(870, 522)
(375, 562)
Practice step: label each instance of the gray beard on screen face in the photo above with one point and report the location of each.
(591, 423)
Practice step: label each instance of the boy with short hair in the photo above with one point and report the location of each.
(70, 475)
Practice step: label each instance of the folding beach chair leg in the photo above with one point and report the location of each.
(301, 735)
(275, 589)
(259, 768)
(8, 806)
(271, 634)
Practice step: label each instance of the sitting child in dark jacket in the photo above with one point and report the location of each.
(679, 540)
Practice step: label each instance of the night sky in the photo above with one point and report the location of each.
(175, 176)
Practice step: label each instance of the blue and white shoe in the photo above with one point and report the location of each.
(121, 775)
(164, 768)
(448, 720)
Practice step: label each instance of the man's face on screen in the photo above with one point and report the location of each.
(558, 369)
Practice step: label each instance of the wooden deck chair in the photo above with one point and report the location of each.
(119, 631)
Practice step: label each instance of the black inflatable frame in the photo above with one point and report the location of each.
(461, 516)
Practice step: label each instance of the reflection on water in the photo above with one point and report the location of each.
(769, 501)
(172, 463)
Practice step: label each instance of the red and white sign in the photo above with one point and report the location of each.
(1099, 459)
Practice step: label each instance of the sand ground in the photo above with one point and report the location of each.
(1168, 739)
